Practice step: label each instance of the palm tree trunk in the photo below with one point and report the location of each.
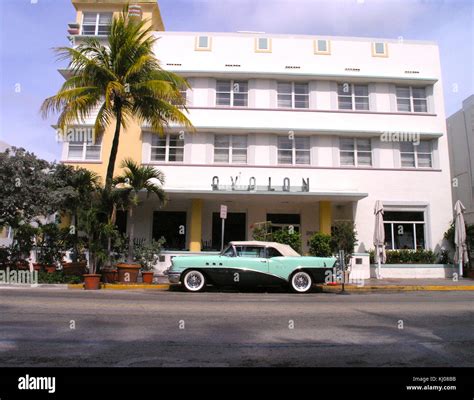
(131, 237)
(114, 150)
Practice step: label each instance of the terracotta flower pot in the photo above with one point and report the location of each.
(37, 267)
(128, 273)
(91, 281)
(148, 277)
(50, 269)
(109, 275)
(74, 268)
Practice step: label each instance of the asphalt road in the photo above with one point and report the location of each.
(43, 327)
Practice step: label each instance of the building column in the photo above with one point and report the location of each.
(196, 225)
(325, 217)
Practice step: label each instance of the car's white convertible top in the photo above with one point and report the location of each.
(284, 249)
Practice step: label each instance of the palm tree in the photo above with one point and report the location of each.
(136, 179)
(123, 80)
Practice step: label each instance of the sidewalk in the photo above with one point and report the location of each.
(399, 285)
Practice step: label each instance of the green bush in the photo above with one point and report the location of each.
(262, 231)
(57, 277)
(420, 256)
(284, 236)
(343, 237)
(320, 245)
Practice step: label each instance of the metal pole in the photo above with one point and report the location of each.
(222, 234)
(343, 268)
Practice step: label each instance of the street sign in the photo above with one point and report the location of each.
(223, 211)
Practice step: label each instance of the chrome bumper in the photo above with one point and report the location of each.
(173, 277)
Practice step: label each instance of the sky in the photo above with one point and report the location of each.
(29, 29)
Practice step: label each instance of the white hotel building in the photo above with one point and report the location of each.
(297, 130)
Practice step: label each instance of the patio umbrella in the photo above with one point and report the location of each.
(379, 236)
(460, 256)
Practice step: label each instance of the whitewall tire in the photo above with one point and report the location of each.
(301, 282)
(194, 281)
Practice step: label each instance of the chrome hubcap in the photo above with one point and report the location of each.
(301, 281)
(194, 280)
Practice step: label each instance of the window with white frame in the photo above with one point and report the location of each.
(322, 46)
(232, 93)
(96, 24)
(353, 97)
(230, 149)
(167, 148)
(263, 45)
(411, 99)
(84, 150)
(379, 49)
(404, 230)
(203, 43)
(416, 156)
(294, 150)
(293, 95)
(355, 152)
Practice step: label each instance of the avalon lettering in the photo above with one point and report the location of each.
(252, 185)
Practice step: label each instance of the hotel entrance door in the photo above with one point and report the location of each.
(235, 228)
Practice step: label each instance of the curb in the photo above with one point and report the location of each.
(124, 286)
(34, 286)
(397, 288)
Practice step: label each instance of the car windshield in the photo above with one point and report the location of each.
(228, 251)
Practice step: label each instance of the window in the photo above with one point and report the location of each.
(294, 150)
(203, 43)
(250, 251)
(272, 252)
(167, 148)
(293, 95)
(284, 221)
(411, 99)
(230, 149)
(322, 46)
(232, 93)
(355, 152)
(263, 45)
(353, 97)
(379, 49)
(416, 156)
(84, 151)
(97, 24)
(404, 230)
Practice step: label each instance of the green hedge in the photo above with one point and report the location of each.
(407, 257)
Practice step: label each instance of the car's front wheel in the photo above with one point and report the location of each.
(194, 281)
(301, 282)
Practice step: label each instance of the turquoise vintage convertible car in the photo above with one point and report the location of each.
(246, 264)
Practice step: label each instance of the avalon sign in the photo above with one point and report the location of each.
(252, 185)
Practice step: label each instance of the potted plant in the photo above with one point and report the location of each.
(22, 245)
(147, 255)
(134, 180)
(75, 246)
(82, 185)
(49, 247)
(96, 227)
(117, 253)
